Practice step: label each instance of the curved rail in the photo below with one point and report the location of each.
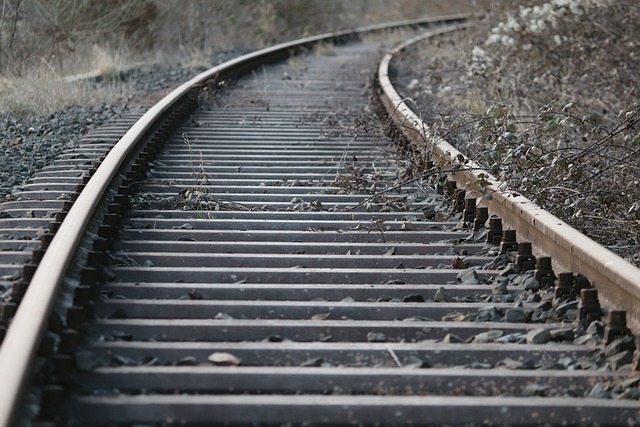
(26, 329)
(618, 281)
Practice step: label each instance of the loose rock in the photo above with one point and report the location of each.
(224, 359)
(538, 336)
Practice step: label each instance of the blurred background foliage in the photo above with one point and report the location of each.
(62, 34)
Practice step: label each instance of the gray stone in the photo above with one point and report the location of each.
(509, 363)
(413, 298)
(631, 394)
(596, 328)
(564, 307)
(487, 337)
(535, 390)
(585, 340)
(313, 362)
(515, 315)
(621, 359)
(480, 365)
(565, 334)
(86, 361)
(544, 305)
(539, 316)
(457, 317)
(442, 295)
(414, 362)
(586, 364)
(376, 337)
(510, 270)
(512, 338)
(531, 284)
(599, 391)
(224, 359)
(535, 297)
(187, 361)
(489, 314)
(500, 287)
(631, 382)
(566, 361)
(452, 339)
(618, 345)
(469, 277)
(501, 298)
(538, 336)
(223, 316)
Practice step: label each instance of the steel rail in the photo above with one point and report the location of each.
(25, 331)
(617, 281)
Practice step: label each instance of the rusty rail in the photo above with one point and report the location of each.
(618, 281)
(26, 328)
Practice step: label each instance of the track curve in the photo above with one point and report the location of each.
(249, 271)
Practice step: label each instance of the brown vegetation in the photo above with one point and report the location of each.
(43, 40)
(546, 95)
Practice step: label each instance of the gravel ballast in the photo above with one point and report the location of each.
(29, 144)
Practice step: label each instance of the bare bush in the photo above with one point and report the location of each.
(546, 96)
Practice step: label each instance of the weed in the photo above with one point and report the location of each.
(546, 98)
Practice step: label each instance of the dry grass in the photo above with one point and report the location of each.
(42, 41)
(47, 91)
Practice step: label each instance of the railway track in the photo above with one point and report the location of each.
(255, 261)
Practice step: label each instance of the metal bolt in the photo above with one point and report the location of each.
(616, 325)
(7, 310)
(469, 212)
(36, 255)
(89, 275)
(95, 259)
(69, 341)
(482, 215)
(18, 290)
(53, 397)
(28, 270)
(508, 242)
(544, 269)
(580, 282)
(116, 209)
(589, 307)
(525, 259)
(83, 294)
(101, 244)
(66, 205)
(63, 365)
(124, 190)
(138, 169)
(459, 198)
(107, 232)
(121, 200)
(45, 239)
(54, 226)
(59, 216)
(494, 234)
(76, 315)
(47, 346)
(113, 220)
